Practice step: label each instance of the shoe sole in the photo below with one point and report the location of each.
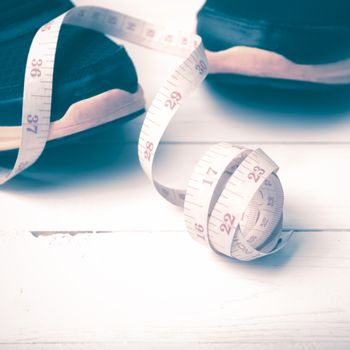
(82, 116)
(261, 65)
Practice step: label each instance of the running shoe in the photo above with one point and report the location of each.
(288, 43)
(94, 81)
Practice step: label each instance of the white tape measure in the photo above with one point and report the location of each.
(234, 198)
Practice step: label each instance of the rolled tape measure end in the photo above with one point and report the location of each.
(234, 202)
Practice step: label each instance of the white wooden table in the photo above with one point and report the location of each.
(134, 279)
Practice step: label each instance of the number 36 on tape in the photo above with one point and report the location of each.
(234, 199)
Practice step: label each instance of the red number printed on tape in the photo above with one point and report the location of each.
(256, 174)
(150, 33)
(22, 166)
(240, 246)
(131, 26)
(230, 219)
(148, 151)
(47, 26)
(33, 120)
(35, 71)
(201, 67)
(175, 98)
(200, 229)
(210, 172)
(268, 183)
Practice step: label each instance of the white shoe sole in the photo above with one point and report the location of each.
(83, 115)
(261, 63)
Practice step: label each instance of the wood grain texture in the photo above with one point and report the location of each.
(101, 186)
(162, 290)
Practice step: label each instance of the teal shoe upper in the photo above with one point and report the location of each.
(87, 63)
(304, 31)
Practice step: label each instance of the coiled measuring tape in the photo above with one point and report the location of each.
(234, 199)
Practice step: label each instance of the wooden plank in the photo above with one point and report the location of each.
(235, 114)
(102, 187)
(162, 290)
(314, 178)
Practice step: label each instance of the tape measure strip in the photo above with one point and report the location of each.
(36, 110)
(247, 229)
(37, 94)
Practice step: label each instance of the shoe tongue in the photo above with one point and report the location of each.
(21, 17)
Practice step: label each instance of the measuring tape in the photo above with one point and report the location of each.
(234, 199)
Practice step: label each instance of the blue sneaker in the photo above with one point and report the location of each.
(288, 43)
(94, 82)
